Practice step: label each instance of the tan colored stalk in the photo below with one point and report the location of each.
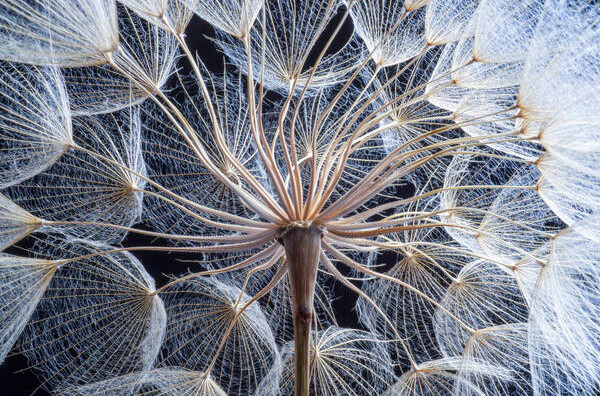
(175, 116)
(223, 215)
(302, 249)
(281, 271)
(353, 264)
(218, 133)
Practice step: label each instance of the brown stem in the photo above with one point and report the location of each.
(302, 248)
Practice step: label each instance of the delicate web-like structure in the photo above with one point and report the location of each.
(440, 162)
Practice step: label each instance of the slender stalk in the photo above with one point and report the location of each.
(302, 248)
(354, 265)
(338, 275)
(270, 286)
(218, 133)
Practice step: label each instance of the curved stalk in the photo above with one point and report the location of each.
(346, 282)
(242, 264)
(281, 271)
(195, 205)
(218, 133)
(234, 247)
(354, 265)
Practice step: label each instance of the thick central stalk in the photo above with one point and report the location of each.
(302, 249)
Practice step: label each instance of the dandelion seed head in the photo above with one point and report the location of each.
(395, 197)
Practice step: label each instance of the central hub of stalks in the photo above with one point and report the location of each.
(302, 249)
